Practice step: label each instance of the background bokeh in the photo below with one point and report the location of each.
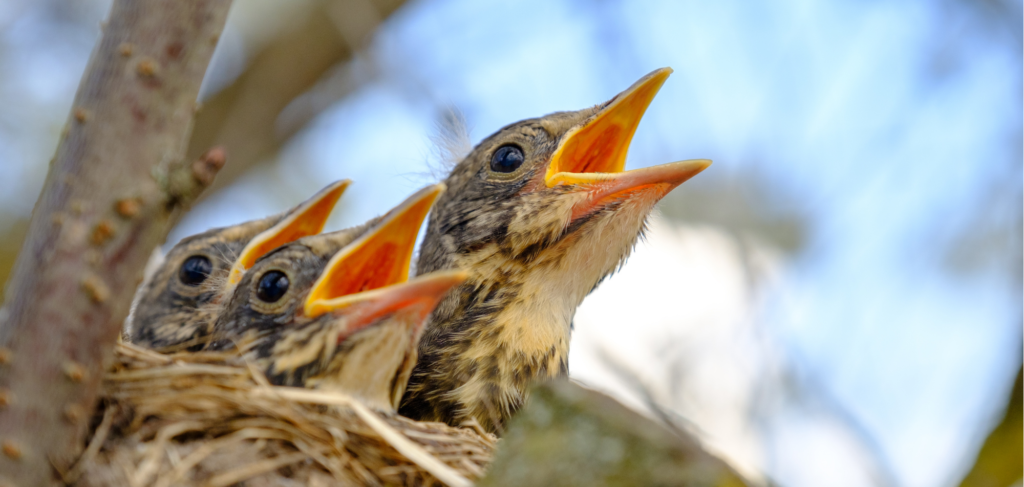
(836, 301)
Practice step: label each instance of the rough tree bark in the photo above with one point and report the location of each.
(117, 182)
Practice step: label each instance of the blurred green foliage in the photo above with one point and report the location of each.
(1000, 462)
(571, 436)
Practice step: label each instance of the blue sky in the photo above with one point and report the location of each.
(893, 129)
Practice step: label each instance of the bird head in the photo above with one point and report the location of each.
(536, 188)
(177, 301)
(336, 310)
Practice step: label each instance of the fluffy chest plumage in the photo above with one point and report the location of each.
(509, 325)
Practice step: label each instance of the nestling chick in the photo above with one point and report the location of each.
(176, 305)
(333, 311)
(538, 214)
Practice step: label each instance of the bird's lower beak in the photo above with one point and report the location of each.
(601, 187)
(306, 219)
(379, 258)
(415, 299)
(592, 157)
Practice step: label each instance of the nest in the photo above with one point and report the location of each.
(210, 419)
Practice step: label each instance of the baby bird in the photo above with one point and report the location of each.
(538, 214)
(335, 312)
(176, 306)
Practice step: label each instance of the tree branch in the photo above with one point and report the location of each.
(244, 117)
(117, 182)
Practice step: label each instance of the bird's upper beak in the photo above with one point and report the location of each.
(306, 219)
(593, 154)
(378, 258)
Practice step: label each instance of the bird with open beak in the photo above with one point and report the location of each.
(538, 214)
(336, 311)
(178, 303)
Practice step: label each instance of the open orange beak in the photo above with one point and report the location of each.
(414, 300)
(379, 258)
(306, 219)
(593, 155)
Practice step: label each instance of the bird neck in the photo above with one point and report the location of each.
(508, 325)
(370, 365)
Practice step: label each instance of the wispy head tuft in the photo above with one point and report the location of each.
(451, 143)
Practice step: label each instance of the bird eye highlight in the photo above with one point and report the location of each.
(195, 270)
(272, 287)
(507, 158)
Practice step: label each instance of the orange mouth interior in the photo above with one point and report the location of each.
(417, 298)
(600, 145)
(379, 258)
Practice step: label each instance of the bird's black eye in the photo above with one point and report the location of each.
(273, 285)
(195, 270)
(507, 158)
